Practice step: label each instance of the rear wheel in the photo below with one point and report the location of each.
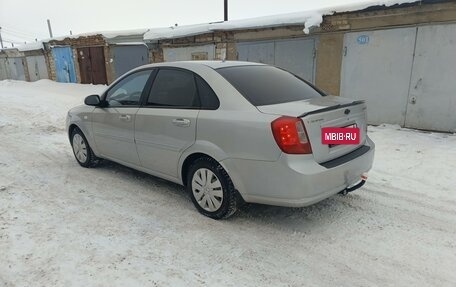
(81, 149)
(211, 189)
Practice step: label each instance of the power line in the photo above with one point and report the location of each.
(18, 35)
(26, 30)
(22, 34)
(11, 41)
(12, 30)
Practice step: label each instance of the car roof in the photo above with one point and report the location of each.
(212, 64)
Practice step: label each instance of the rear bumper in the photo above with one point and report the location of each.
(297, 180)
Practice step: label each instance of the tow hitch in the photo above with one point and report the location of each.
(356, 186)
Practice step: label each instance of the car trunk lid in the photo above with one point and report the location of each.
(318, 113)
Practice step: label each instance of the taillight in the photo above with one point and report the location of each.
(290, 135)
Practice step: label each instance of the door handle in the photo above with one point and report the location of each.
(125, 117)
(181, 122)
(418, 83)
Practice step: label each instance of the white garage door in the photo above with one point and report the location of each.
(432, 99)
(37, 68)
(407, 75)
(376, 67)
(4, 72)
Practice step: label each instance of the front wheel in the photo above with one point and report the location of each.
(211, 189)
(81, 149)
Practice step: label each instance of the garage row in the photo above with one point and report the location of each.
(401, 59)
(86, 59)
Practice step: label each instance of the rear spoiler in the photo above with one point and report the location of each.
(331, 108)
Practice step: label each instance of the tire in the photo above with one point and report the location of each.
(216, 198)
(81, 149)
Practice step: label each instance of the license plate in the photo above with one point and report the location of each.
(348, 135)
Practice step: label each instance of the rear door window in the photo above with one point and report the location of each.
(208, 98)
(174, 88)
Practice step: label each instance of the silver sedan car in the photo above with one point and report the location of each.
(230, 132)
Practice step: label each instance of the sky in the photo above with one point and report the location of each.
(25, 20)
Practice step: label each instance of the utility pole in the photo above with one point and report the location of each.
(49, 27)
(225, 18)
(1, 41)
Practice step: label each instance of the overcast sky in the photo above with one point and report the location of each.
(25, 20)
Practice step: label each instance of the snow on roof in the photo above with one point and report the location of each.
(8, 49)
(130, 44)
(178, 31)
(306, 18)
(104, 34)
(31, 46)
(114, 34)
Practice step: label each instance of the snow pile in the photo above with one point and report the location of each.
(45, 113)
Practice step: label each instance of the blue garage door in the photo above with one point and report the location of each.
(64, 65)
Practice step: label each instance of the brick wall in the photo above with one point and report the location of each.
(224, 42)
(50, 64)
(155, 53)
(110, 75)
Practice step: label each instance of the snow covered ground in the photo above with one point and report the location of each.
(62, 225)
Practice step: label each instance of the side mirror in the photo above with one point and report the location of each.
(92, 100)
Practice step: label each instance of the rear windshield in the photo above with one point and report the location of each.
(267, 85)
